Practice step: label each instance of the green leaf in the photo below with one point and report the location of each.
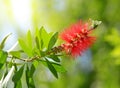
(35, 63)
(17, 76)
(18, 84)
(38, 38)
(37, 43)
(29, 76)
(26, 44)
(31, 83)
(52, 69)
(32, 70)
(3, 41)
(15, 65)
(45, 37)
(15, 53)
(29, 39)
(52, 40)
(58, 67)
(54, 57)
(3, 57)
(25, 48)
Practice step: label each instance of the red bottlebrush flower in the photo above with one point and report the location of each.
(77, 38)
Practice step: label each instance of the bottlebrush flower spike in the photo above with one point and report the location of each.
(78, 38)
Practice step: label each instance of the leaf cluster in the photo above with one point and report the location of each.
(33, 48)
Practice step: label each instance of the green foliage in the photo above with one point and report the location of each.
(29, 76)
(42, 38)
(37, 43)
(54, 57)
(58, 67)
(3, 42)
(18, 84)
(25, 47)
(33, 50)
(26, 44)
(52, 40)
(3, 57)
(15, 53)
(52, 69)
(29, 39)
(18, 74)
(17, 77)
(45, 37)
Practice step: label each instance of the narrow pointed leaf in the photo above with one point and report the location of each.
(37, 43)
(52, 69)
(29, 77)
(18, 84)
(3, 41)
(18, 75)
(32, 70)
(25, 47)
(15, 53)
(29, 39)
(58, 67)
(3, 57)
(45, 37)
(55, 58)
(35, 63)
(52, 40)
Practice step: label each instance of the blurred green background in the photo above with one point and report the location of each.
(99, 67)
